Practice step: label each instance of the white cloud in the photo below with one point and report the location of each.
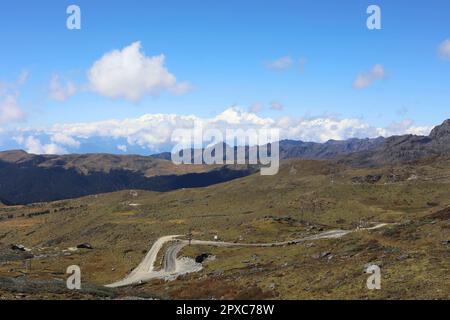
(281, 64)
(444, 49)
(153, 131)
(275, 105)
(65, 140)
(236, 117)
(34, 146)
(364, 80)
(130, 74)
(122, 147)
(59, 91)
(10, 111)
(403, 127)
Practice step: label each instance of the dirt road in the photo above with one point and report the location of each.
(173, 267)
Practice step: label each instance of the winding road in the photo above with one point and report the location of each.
(172, 267)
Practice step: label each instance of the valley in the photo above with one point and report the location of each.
(306, 199)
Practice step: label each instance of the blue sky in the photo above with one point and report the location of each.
(224, 50)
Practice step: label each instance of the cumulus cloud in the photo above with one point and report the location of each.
(444, 49)
(275, 105)
(61, 91)
(365, 79)
(153, 132)
(64, 140)
(10, 111)
(34, 146)
(122, 147)
(403, 127)
(130, 74)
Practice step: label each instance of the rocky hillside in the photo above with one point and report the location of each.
(293, 149)
(406, 148)
(27, 178)
(307, 197)
(105, 163)
(331, 149)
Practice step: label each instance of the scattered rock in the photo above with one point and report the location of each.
(443, 214)
(432, 204)
(85, 246)
(393, 178)
(218, 273)
(134, 193)
(286, 219)
(403, 257)
(446, 242)
(321, 255)
(372, 179)
(19, 247)
(201, 258)
(134, 204)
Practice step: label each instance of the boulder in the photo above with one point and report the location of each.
(85, 246)
(19, 247)
(201, 258)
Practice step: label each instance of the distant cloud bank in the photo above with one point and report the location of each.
(152, 132)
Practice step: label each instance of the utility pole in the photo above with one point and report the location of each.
(190, 236)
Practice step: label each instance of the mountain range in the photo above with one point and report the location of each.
(27, 178)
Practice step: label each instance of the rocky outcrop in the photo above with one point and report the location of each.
(405, 148)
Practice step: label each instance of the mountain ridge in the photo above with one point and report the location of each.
(406, 148)
(26, 178)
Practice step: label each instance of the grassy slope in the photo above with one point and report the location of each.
(89, 163)
(415, 262)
